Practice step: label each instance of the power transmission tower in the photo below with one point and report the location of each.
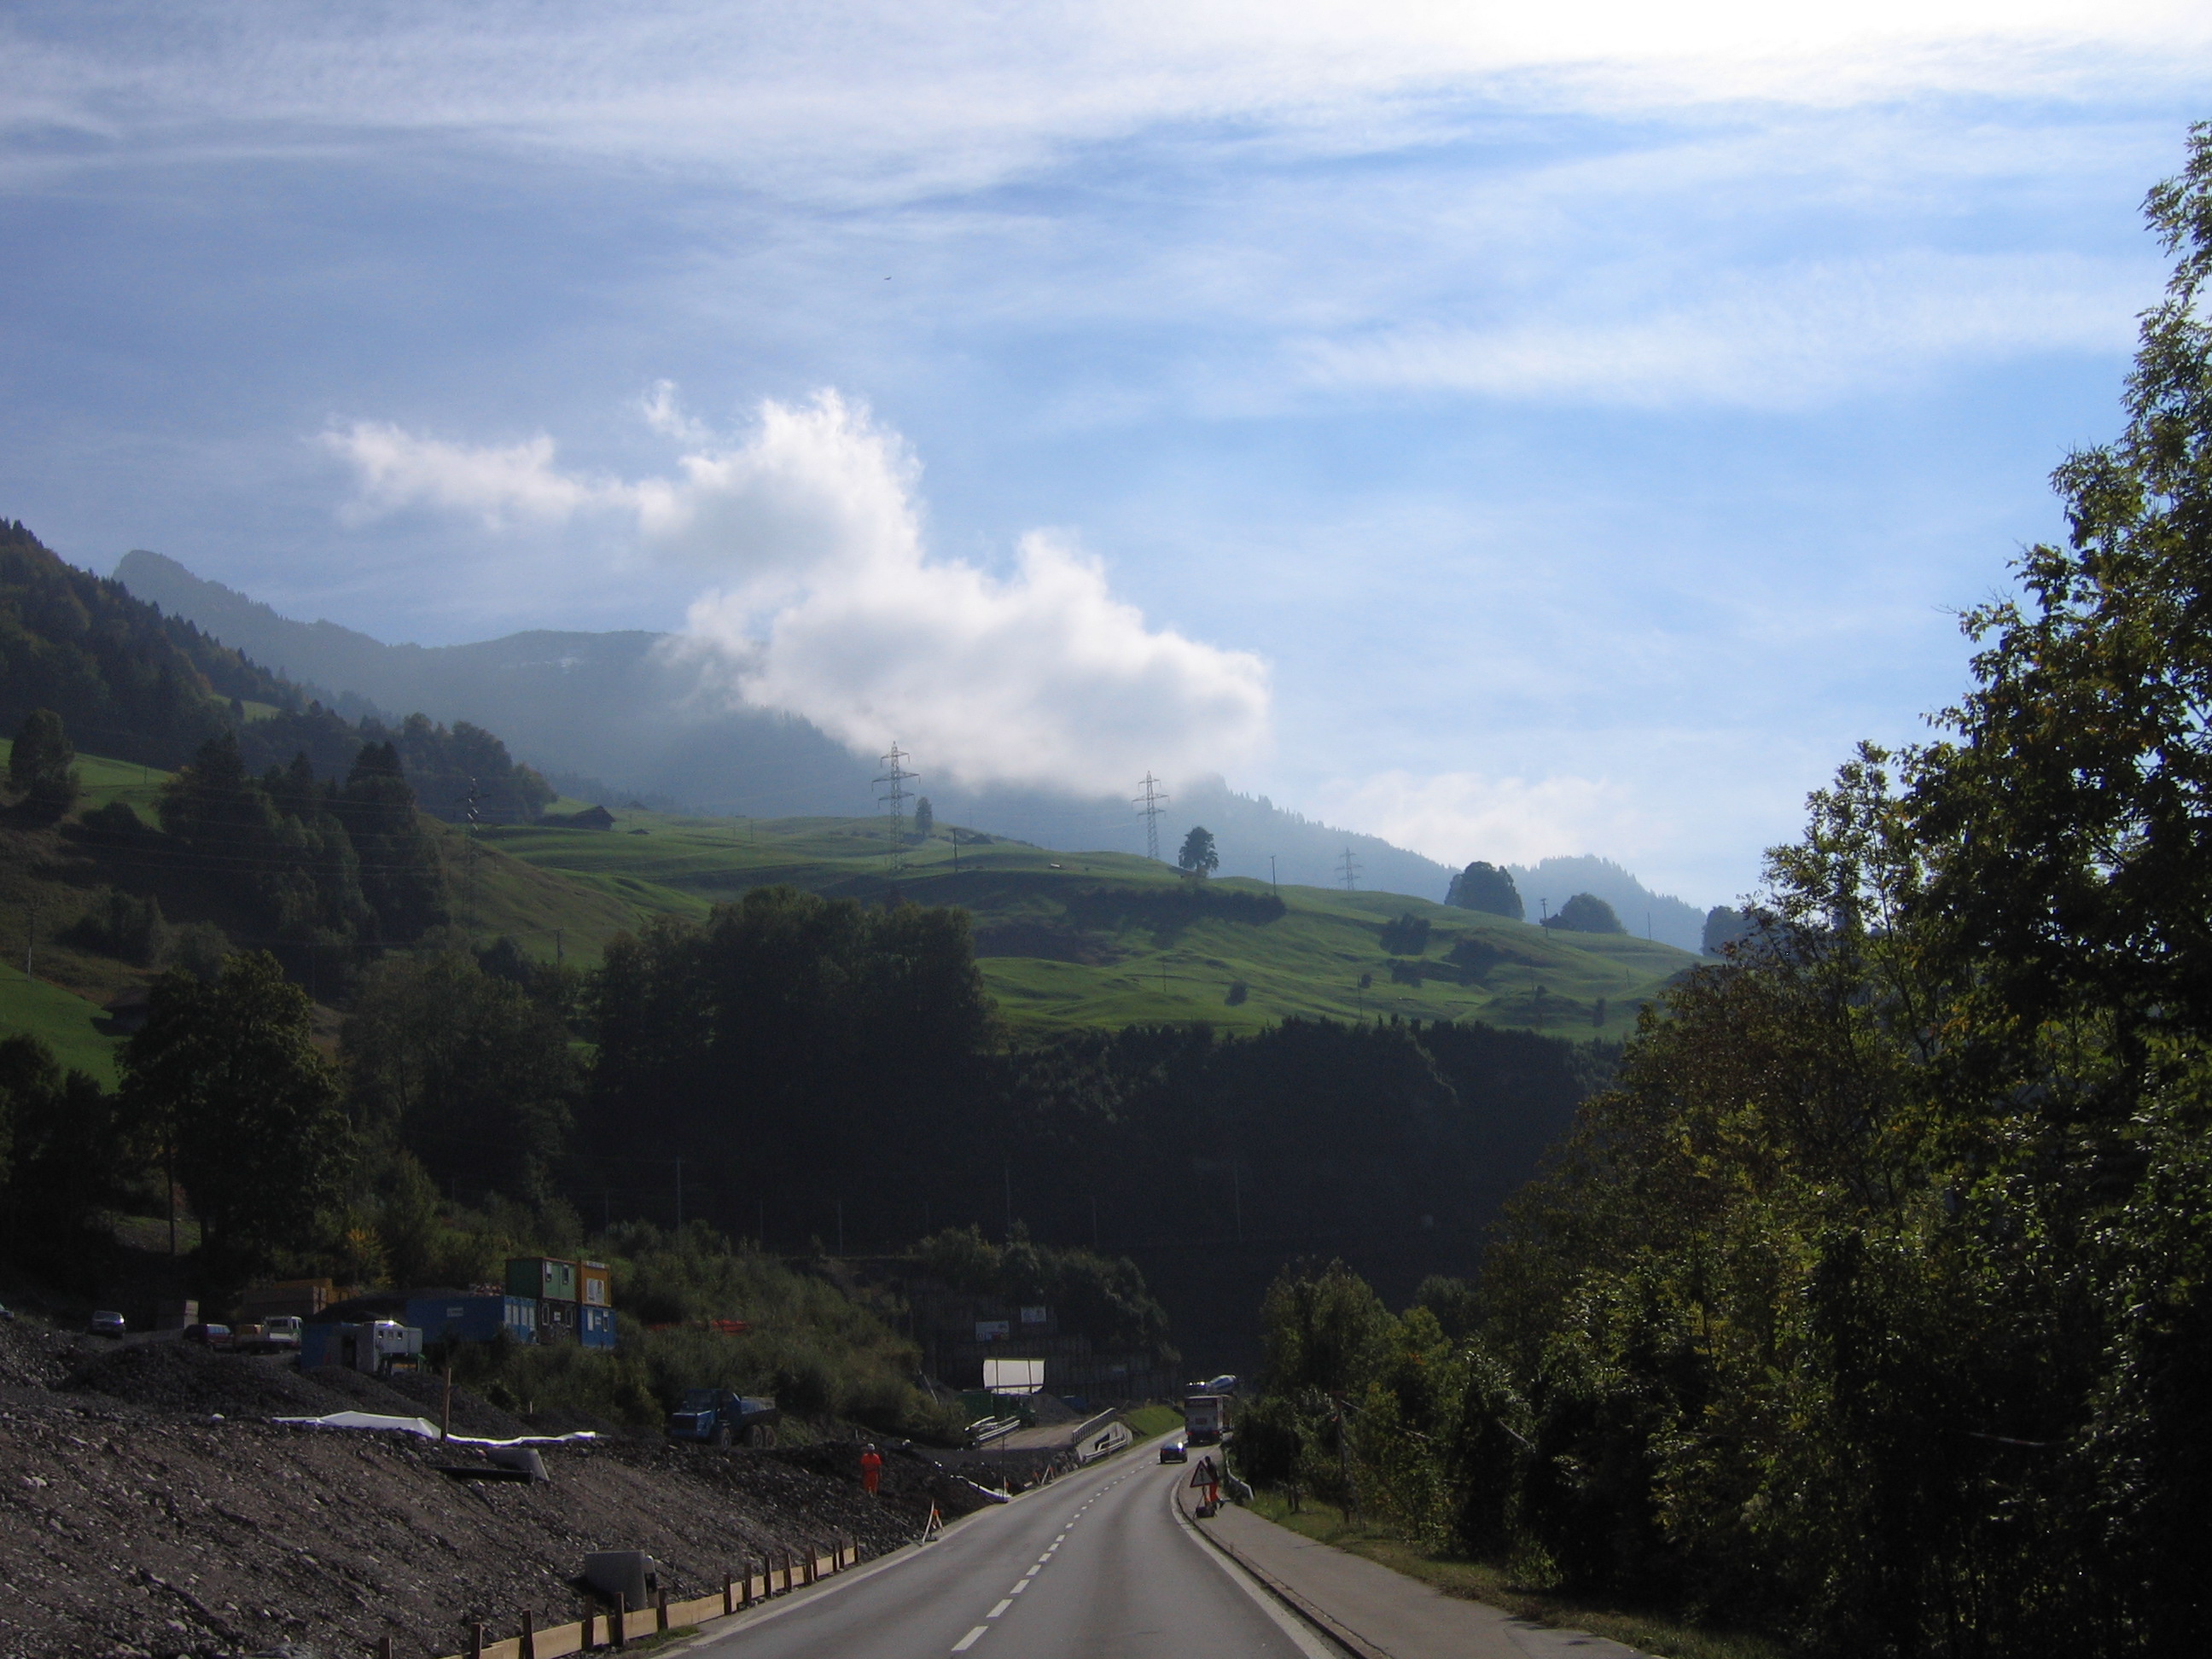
(1349, 867)
(469, 855)
(1148, 807)
(894, 800)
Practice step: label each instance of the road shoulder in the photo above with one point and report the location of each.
(1376, 1614)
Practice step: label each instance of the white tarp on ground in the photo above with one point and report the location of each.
(376, 1421)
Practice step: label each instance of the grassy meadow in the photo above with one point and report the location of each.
(1075, 939)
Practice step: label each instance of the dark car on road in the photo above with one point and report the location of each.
(107, 1323)
(1172, 1450)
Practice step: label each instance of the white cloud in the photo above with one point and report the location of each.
(1776, 339)
(888, 99)
(1455, 817)
(498, 483)
(828, 602)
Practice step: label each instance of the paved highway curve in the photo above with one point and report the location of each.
(1097, 1565)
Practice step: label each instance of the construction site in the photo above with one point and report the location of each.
(162, 1497)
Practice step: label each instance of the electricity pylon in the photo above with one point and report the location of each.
(894, 800)
(1148, 807)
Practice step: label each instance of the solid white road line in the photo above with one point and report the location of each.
(1308, 1640)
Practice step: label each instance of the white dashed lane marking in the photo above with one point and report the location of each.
(969, 1639)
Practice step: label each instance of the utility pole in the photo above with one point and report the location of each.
(1271, 872)
(1349, 868)
(31, 938)
(470, 816)
(1546, 905)
(1148, 807)
(894, 799)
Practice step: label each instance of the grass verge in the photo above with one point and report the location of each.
(1147, 1421)
(1658, 1633)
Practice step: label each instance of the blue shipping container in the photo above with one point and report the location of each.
(596, 1328)
(315, 1345)
(474, 1318)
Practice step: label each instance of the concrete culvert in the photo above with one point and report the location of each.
(525, 1458)
(631, 1574)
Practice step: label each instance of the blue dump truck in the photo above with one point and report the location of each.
(716, 1417)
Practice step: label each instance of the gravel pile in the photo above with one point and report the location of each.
(148, 1509)
(34, 1355)
(185, 1377)
(125, 1533)
(424, 1395)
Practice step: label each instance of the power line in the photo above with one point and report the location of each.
(1349, 868)
(896, 774)
(1148, 807)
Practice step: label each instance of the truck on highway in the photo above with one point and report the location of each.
(1205, 1419)
(718, 1417)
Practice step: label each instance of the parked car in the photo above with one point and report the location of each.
(107, 1323)
(7, 1314)
(1172, 1450)
(208, 1336)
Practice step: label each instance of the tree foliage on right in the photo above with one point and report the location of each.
(1873, 1306)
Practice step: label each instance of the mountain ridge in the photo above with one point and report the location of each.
(613, 707)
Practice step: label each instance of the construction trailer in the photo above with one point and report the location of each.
(474, 1318)
(595, 1326)
(594, 1285)
(547, 1277)
(373, 1346)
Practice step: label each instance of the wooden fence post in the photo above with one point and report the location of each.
(384, 1647)
(660, 1609)
(590, 1618)
(529, 1648)
(729, 1602)
(476, 1641)
(618, 1620)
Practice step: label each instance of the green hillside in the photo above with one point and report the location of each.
(1106, 939)
(74, 1029)
(52, 876)
(1067, 940)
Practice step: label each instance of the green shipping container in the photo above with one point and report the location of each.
(542, 1276)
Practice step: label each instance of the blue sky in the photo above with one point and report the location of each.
(1510, 433)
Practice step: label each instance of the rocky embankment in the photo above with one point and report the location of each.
(148, 1506)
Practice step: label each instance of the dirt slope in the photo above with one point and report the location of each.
(161, 1528)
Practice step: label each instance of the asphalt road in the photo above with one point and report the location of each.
(1097, 1565)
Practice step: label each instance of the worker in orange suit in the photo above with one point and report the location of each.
(872, 1469)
